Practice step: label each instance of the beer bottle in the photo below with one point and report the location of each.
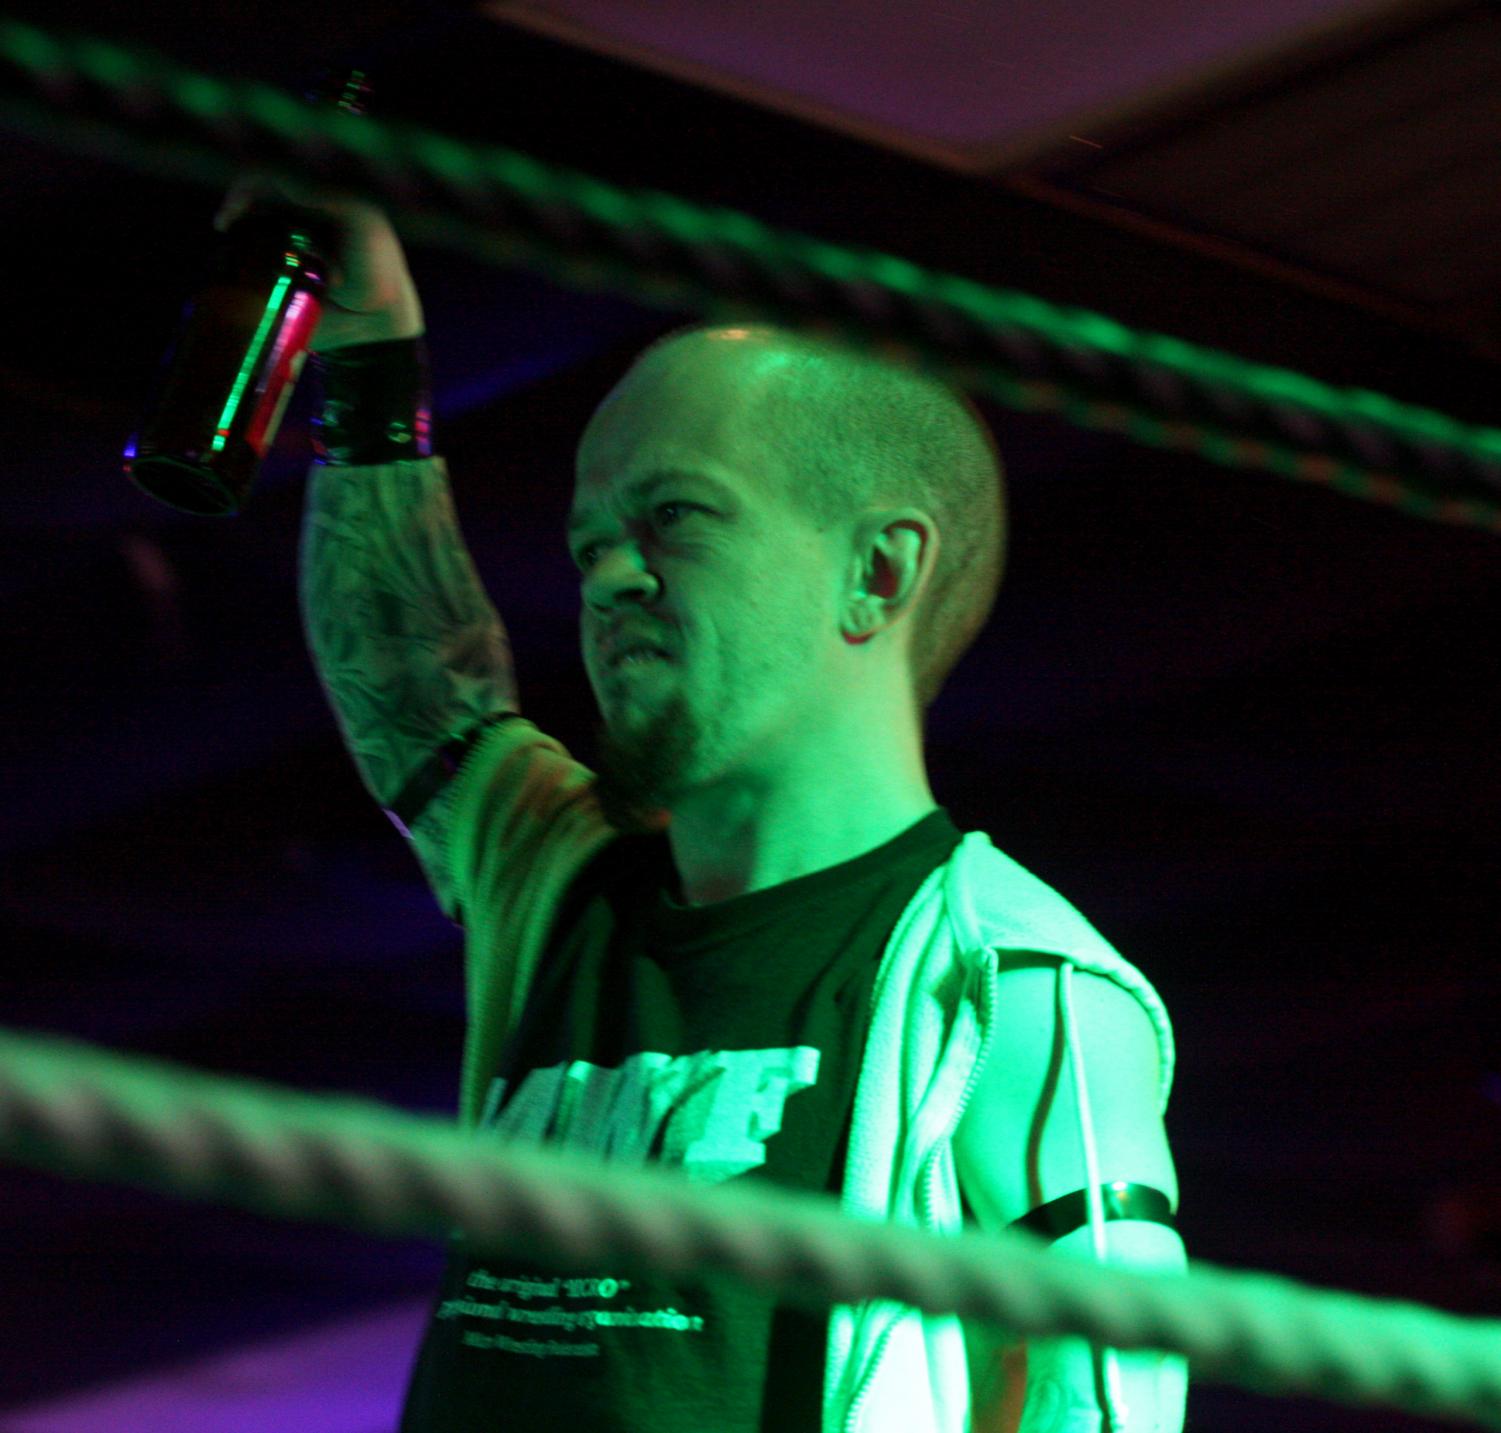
(240, 346)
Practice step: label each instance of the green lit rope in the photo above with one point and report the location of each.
(509, 207)
(79, 1110)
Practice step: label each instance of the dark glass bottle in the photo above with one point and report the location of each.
(240, 347)
(226, 381)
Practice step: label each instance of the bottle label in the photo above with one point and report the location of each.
(282, 369)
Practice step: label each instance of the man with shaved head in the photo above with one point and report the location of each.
(746, 943)
(835, 544)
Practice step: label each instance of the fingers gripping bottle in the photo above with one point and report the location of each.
(240, 346)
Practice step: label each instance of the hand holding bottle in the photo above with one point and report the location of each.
(285, 255)
(371, 296)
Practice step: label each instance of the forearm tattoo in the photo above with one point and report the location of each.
(407, 643)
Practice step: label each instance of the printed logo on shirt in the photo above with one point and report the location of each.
(709, 1114)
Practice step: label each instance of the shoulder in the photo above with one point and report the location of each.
(1020, 1141)
(1110, 1020)
(998, 905)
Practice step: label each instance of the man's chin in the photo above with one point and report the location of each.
(637, 773)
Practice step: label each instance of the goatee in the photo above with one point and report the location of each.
(642, 769)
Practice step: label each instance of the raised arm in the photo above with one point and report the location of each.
(411, 652)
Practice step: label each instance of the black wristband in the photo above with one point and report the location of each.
(377, 403)
(1122, 1201)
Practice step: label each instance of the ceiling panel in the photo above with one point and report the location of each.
(1379, 166)
(956, 74)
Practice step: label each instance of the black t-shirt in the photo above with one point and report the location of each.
(723, 1040)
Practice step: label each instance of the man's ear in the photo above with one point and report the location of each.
(893, 560)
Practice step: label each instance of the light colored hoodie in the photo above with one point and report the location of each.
(520, 820)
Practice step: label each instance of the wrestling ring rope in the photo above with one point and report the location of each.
(74, 1109)
(508, 208)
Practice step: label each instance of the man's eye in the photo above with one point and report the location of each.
(584, 556)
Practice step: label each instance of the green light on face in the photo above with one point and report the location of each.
(252, 358)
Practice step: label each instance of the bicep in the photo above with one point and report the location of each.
(1019, 1144)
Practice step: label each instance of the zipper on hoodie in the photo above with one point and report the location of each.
(470, 741)
(858, 1401)
(927, 1169)
(467, 746)
(861, 1393)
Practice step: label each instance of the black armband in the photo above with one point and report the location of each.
(435, 773)
(1122, 1201)
(377, 403)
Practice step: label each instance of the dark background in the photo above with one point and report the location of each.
(1246, 725)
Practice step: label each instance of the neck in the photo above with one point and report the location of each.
(754, 830)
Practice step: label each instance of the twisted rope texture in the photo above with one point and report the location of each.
(79, 1110)
(505, 207)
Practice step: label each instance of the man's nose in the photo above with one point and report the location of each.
(620, 575)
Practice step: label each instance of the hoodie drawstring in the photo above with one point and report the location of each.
(1115, 1404)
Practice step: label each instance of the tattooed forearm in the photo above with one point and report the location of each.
(408, 646)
